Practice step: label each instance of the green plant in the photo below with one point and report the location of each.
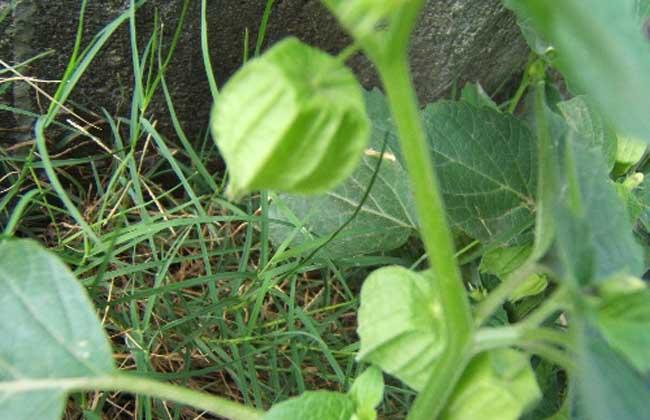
(552, 203)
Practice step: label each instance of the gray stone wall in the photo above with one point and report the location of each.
(456, 41)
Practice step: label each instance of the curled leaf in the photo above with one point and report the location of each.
(293, 120)
(629, 152)
(368, 391)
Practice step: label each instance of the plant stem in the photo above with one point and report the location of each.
(518, 335)
(436, 236)
(139, 385)
(553, 304)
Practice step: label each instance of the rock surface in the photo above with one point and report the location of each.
(456, 41)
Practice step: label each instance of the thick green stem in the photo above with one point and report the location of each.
(139, 385)
(436, 236)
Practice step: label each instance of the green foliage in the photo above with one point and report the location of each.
(475, 95)
(382, 27)
(583, 118)
(49, 332)
(602, 50)
(624, 320)
(498, 385)
(595, 239)
(358, 404)
(384, 221)
(502, 262)
(368, 392)
(487, 164)
(629, 152)
(314, 405)
(268, 109)
(546, 201)
(608, 387)
(401, 324)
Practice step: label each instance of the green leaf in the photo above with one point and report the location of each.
(314, 405)
(608, 387)
(552, 383)
(385, 221)
(582, 116)
(629, 152)
(595, 238)
(624, 321)
(602, 51)
(401, 325)
(383, 126)
(501, 262)
(487, 164)
(535, 41)
(283, 128)
(498, 385)
(368, 391)
(49, 331)
(474, 95)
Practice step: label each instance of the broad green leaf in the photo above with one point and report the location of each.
(314, 405)
(583, 117)
(383, 127)
(624, 321)
(385, 221)
(498, 385)
(608, 387)
(368, 391)
(487, 164)
(401, 324)
(474, 95)
(49, 331)
(283, 128)
(602, 51)
(594, 232)
(501, 262)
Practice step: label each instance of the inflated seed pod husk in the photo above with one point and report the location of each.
(401, 324)
(293, 120)
(497, 385)
(366, 19)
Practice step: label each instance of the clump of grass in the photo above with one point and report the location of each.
(186, 283)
